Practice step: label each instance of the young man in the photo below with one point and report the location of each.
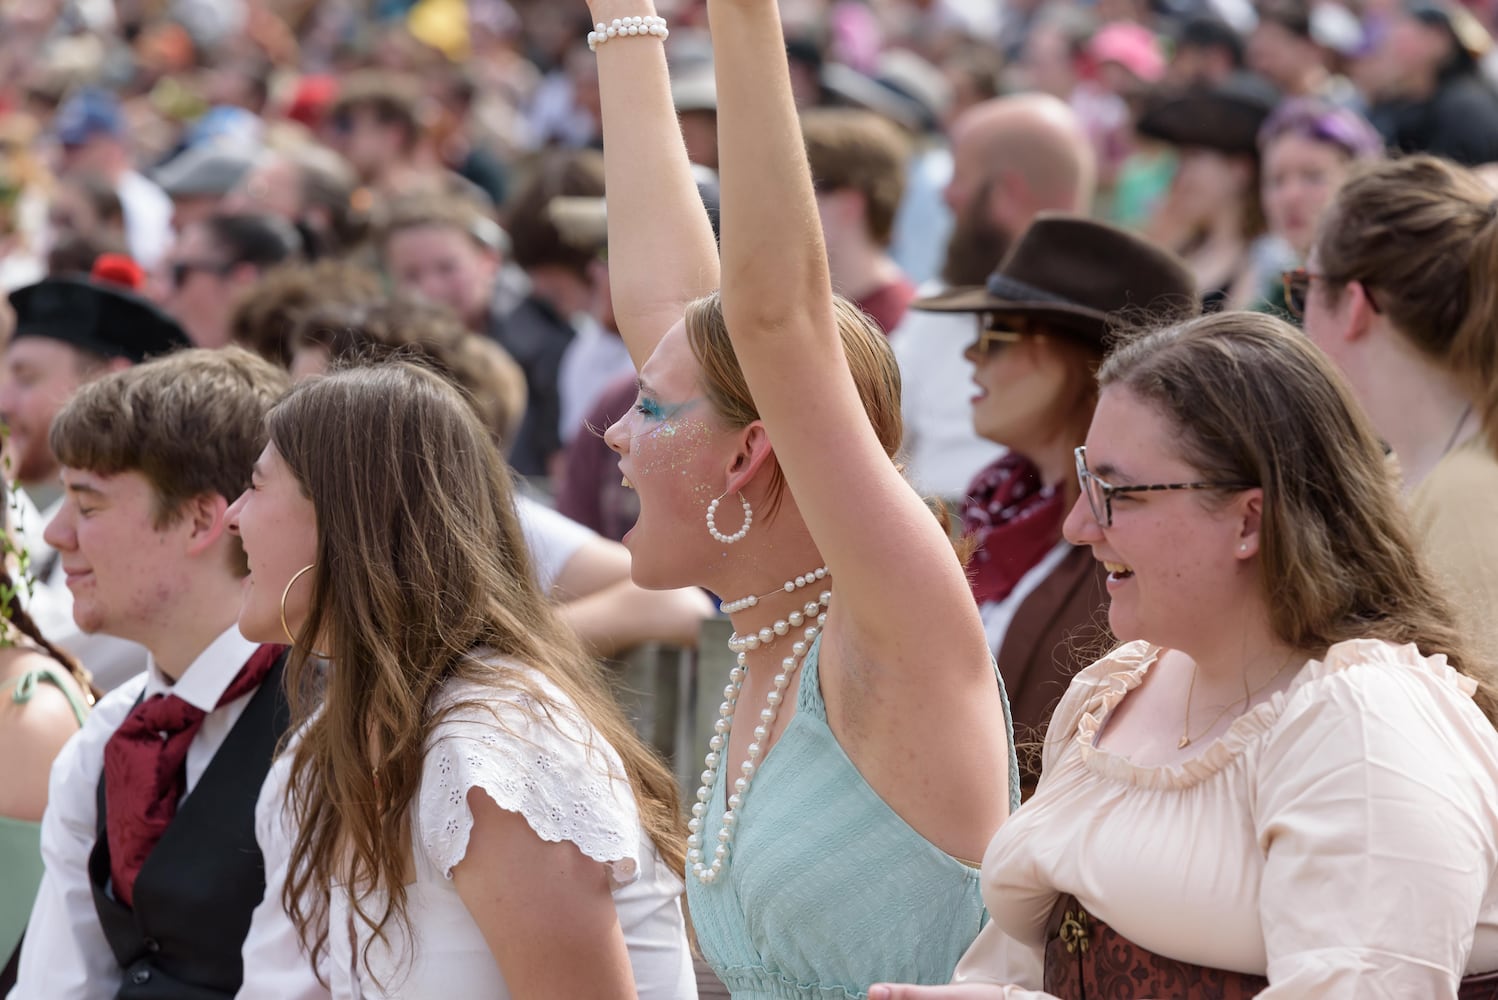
(153, 870)
(69, 331)
(213, 264)
(858, 163)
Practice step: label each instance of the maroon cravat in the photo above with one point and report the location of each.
(145, 770)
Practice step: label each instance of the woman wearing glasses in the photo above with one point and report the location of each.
(1043, 317)
(1285, 782)
(1400, 293)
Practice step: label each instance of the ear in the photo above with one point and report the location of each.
(204, 516)
(1250, 524)
(117, 365)
(753, 452)
(1356, 311)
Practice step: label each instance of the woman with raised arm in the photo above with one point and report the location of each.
(863, 750)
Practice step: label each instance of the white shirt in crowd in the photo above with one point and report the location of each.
(942, 452)
(148, 219)
(593, 361)
(65, 955)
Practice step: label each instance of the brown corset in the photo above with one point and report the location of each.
(1085, 959)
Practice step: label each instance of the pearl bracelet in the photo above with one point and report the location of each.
(621, 27)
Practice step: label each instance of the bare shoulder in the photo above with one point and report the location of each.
(32, 733)
(46, 715)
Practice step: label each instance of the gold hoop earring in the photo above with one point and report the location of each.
(291, 639)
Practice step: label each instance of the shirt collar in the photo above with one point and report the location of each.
(206, 679)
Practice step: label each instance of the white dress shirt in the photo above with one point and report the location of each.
(65, 955)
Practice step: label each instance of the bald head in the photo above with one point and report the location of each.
(1016, 156)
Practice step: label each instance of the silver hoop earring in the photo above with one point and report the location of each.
(737, 536)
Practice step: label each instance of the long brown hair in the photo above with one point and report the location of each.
(1253, 401)
(1421, 234)
(420, 565)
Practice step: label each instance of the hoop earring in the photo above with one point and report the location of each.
(737, 536)
(291, 639)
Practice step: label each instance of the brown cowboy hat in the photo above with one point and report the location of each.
(1074, 274)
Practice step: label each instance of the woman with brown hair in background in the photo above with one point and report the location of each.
(471, 813)
(1043, 318)
(1400, 292)
(1285, 782)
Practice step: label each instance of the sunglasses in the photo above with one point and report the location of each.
(993, 336)
(1298, 288)
(184, 269)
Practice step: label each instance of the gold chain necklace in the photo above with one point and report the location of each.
(1187, 738)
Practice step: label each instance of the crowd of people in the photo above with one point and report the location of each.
(1084, 414)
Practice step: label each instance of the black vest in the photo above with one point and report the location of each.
(204, 878)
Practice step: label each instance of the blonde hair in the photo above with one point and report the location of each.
(866, 351)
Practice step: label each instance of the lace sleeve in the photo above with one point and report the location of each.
(543, 763)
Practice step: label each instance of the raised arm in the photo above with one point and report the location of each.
(661, 249)
(869, 525)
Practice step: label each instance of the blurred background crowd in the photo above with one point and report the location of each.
(254, 164)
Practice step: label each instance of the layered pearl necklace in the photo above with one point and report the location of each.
(791, 586)
(813, 613)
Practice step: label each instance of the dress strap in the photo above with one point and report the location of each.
(1014, 786)
(26, 684)
(809, 694)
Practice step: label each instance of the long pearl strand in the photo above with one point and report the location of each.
(790, 587)
(707, 873)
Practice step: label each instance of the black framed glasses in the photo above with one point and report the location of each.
(1298, 288)
(1100, 494)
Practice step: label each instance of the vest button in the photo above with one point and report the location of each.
(140, 977)
(152, 945)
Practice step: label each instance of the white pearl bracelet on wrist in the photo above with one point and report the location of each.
(624, 27)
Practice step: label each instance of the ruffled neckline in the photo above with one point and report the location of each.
(1127, 666)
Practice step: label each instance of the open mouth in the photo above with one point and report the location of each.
(1117, 571)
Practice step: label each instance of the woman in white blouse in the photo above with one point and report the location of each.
(1285, 782)
(472, 816)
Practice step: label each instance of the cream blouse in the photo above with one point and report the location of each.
(1340, 838)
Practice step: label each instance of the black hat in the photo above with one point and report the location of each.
(1225, 116)
(1075, 274)
(95, 317)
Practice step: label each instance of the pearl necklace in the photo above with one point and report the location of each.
(745, 643)
(708, 873)
(790, 587)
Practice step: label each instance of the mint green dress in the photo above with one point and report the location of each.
(21, 840)
(826, 890)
